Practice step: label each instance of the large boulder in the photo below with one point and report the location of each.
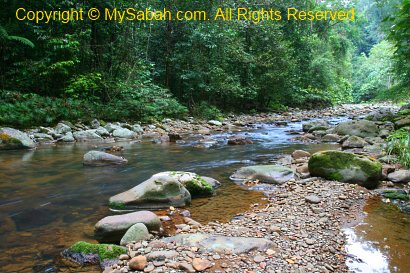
(98, 159)
(360, 128)
(86, 135)
(11, 139)
(271, 174)
(354, 142)
(346, 167)
(160, 191)
(62, 129)
(381, 114)
(221, 244)
(112, 228)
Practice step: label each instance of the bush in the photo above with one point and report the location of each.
(399, 144)
(207, 111)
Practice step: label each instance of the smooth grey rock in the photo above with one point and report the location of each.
(221, 244)
(317, 125)
(101, 131)
(354, 142)
(123, 133)
(161, 255)
(112, 228)
(110, 127)
(313, 199)
(62, 129)
(12, 139)
(98, 159)
(271, 174)
(68, 137)
(400, 176)
(137, 233)
(215, 123)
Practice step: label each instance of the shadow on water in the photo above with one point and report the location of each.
(382, 241)
(48, 200)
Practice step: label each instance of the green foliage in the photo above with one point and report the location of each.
(104, 251)
(399, 144)
(206, 111)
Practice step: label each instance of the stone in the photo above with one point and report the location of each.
(101, 131)
(173, 137)
(137, 233)
(112, 228)
(402, 122)
(259, 259)
(221, 244)
(110, 127)
(68, 137)
(360, 128)
(297, 154)
(201, 264)
(160, 191)
(354, 142)
(313, 199)
(318, 125)
(62, 129)
(330, 138)
(138, 263)
(123, 133)
(271, 174)
(381, 114)
(346, 167)
(94, 124)
(186, 267)
(239, 141)
(98, 159)
(400, 176)
(84, 253)
(12, 139)
(215, 123)
(162, 255)
(137, 129)
(41, 137)
(86, 135)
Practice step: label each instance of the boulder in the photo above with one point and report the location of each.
(137, 233)
(400, 176)
(221, 244)
(239, 141)
(346, 167)
(98, 159)
(112, 228)
(123, 133)
(271, 174)
(331, 138)
(174, 137)
(94, 124)
(381, 114)
(361, 128)
(402, 122)
(111, 127)
(297, 154)
(12, 139)
(62, 129)
(101, 131)
(354, 142)
(86, 135)
(160, 191)
(317, 125)
(68, 137)
(137, 129)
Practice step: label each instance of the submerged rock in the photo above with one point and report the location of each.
(271, 174)
(11, 139)
(160, 191)
(346, 167)
(99, 159)
(221, 244)
(239, 141)
(360, 128)
(112, 228)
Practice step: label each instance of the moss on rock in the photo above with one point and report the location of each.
(104, 251)
(199, 187)
(396, 194)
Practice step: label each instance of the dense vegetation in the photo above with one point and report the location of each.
(143, 70)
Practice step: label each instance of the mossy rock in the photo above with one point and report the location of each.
(11, 139)
(199, 187)
(396, 195)
(346, 167)
(84, 253)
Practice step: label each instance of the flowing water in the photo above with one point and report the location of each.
(48, 200)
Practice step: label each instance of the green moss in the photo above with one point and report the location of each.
(104, 251)
(117, 205)
(404, 112)
(199, 187)
(402, 195)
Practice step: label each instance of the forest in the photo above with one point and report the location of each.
(148, 70)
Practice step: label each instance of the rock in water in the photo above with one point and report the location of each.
(160, 191)
(297, 154)
(124, 133)
(98, 159)
(86, 135)
(400, 176)
(317, 125)
(271, 174)
(137, 233)
(217, 243)
(112, 228)
(11, 139)
(360, 128)
(346, 167)
(239, 141)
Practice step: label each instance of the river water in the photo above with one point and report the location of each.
(48, 200)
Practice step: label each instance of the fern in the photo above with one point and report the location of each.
(4, 36)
